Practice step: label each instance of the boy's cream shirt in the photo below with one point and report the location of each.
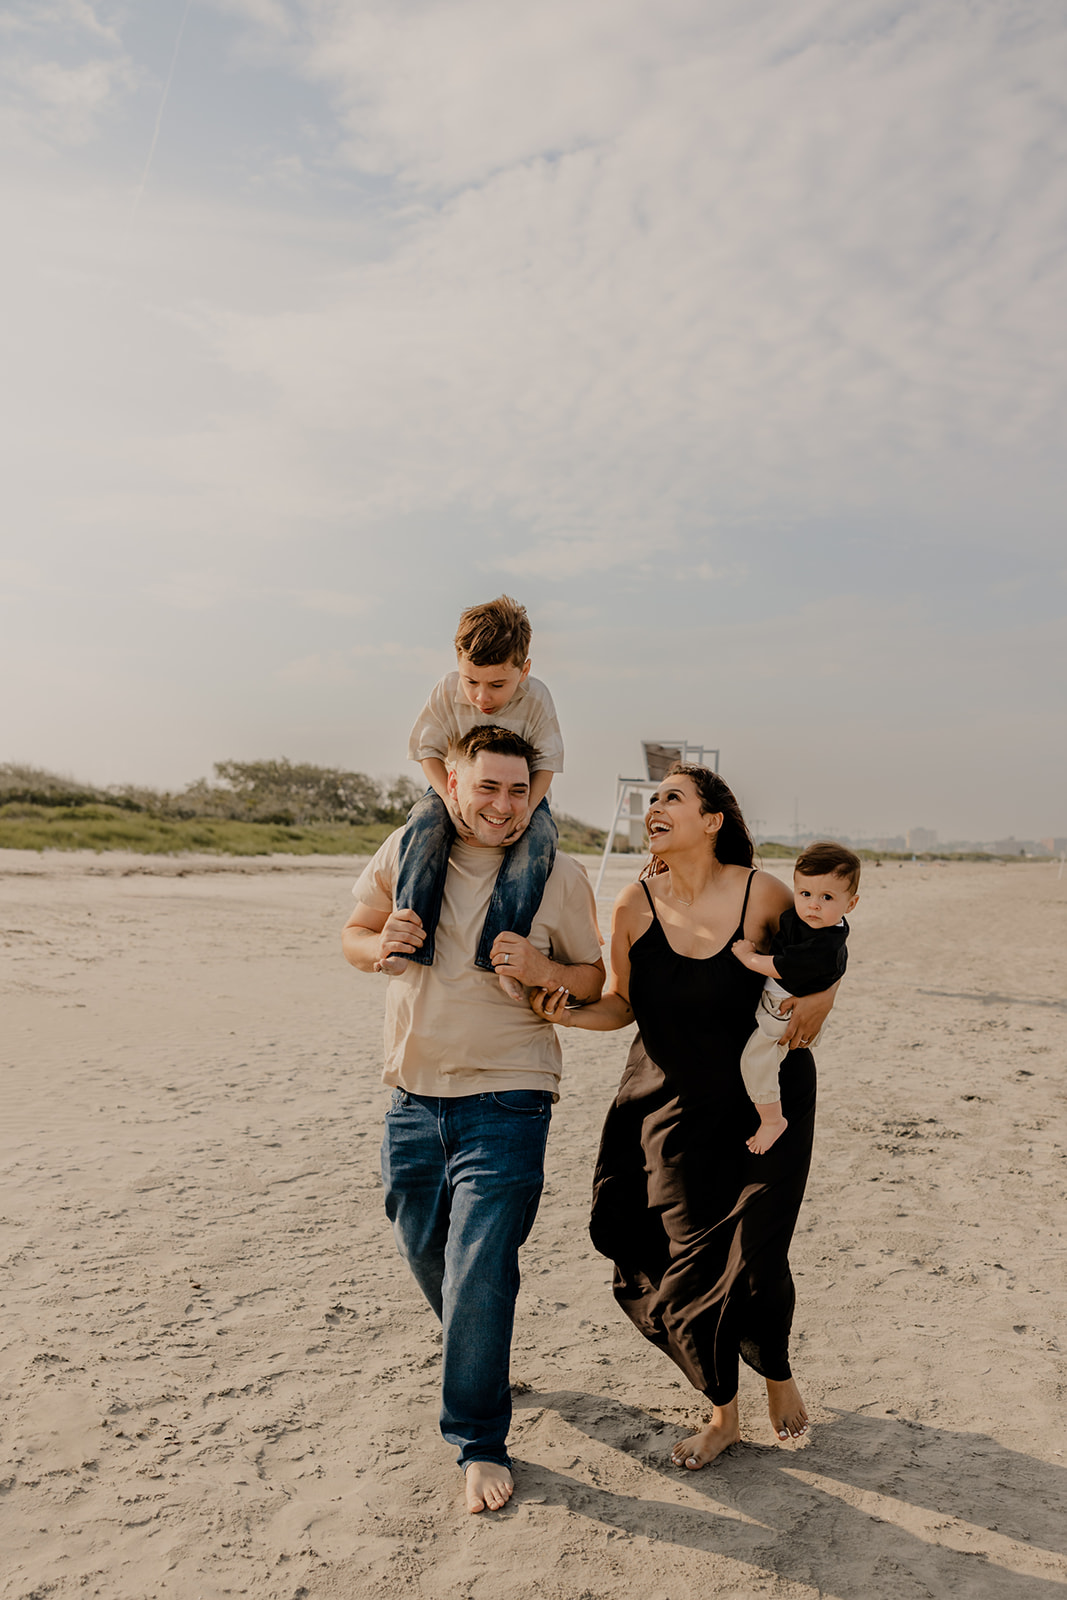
(449, 1028)
(448, 715)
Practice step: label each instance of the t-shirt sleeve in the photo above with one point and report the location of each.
(543, 731)
(374, 886)
(435, 726)
(576, 939)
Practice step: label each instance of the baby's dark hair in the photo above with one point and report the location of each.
(733, 843)
(495, 633)
(496, 741)
(826, 858)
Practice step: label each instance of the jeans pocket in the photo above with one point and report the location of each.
(524, 1102)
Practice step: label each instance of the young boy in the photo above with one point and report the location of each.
(807, 955)
(492, 685)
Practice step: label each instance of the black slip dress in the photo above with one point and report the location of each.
(698, 1227)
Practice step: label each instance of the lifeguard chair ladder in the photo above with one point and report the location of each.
(631, 794)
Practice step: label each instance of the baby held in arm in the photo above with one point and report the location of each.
(808, 954)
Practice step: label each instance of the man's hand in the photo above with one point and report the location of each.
(518, 958)
(402, 934)
(806, 1016)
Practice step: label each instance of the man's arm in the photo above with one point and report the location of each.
(370, 935)
(583, 981)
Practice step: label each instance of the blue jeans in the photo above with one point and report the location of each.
(423, 867)
(463, 1180)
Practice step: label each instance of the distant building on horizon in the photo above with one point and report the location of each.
(922, 839)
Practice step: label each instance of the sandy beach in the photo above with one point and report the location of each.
(217, 1378)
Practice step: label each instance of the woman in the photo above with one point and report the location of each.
(697, 1225)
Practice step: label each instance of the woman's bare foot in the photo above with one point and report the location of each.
(489, 1485)
(511, 986)
(701, 1448)
(789, 1419)
(771, 1127)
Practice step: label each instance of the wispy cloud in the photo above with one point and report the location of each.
(774, 259)
(630, 308)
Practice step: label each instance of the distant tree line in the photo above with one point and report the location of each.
(277, 791)
(292, 793)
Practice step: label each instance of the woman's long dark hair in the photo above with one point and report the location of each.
(733, 842)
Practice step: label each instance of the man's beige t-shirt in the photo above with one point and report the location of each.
(449, 1028)
(448, 715)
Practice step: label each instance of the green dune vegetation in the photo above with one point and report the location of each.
(253, 808)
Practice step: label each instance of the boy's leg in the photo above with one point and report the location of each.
(495, 1147)
(520, 883)
(422, 867)
(760, 1061)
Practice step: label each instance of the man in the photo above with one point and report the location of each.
(474, 1075)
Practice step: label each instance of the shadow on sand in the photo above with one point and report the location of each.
(981, 1520)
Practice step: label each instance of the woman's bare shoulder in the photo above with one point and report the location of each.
(630, 917)
(770, 892)
(631, 898)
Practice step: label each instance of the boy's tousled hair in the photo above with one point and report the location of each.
(495, 633)
(826, 858)
(495, 741)
(733, 842)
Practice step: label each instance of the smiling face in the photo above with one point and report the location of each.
(674, 819)
(491, 793)
(490, 688)
(822, 902)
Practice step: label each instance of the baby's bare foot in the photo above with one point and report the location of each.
(703, 1447)
(765, 1135)
(511, 986)
(489, 1486)
(789, 1419)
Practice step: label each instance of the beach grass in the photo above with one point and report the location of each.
(105, 827)
(26, 826)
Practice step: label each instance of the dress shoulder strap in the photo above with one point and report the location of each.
(744, 904)
(648, 897)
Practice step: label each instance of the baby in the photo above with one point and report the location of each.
(808, 955)
(492, 685)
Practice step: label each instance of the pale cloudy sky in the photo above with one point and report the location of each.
(729, 335)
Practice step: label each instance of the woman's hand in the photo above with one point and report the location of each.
(551, 1004)
(806, 1017)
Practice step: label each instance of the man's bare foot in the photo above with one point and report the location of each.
(489, 1485)
(789, 1419)
(721, 1432)
(771, 1127)
(511, 986)
(393, 965)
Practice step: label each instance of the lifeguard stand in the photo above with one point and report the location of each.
(631, 794)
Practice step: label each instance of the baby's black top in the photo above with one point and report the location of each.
(808, 959)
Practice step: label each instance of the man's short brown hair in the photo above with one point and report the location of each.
(828, 859)
(495, 633)
(490, 740)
